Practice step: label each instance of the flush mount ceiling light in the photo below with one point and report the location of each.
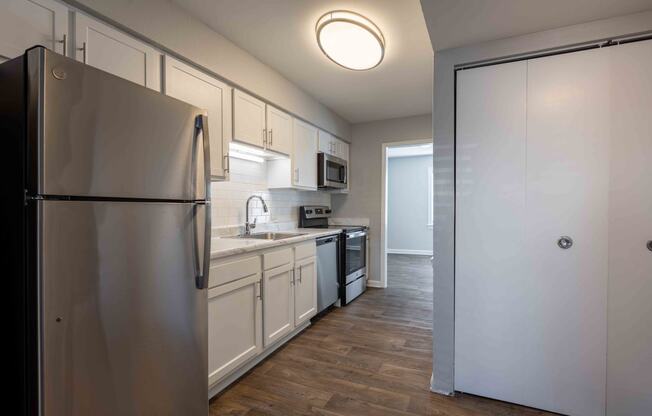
(350, 40)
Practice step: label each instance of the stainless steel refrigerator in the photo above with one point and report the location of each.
(106, 203)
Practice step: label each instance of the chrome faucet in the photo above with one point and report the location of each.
(251, 226)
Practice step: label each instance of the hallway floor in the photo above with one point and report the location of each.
(373, 357)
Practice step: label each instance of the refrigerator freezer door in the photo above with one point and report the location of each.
(123, 325)
(94, 134)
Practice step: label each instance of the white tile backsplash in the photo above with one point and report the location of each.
(250, 178)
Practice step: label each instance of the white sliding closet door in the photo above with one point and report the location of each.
(629, 358)
(568, 145)
(533, 166)
(491, 278)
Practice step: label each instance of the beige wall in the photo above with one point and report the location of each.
(364, 200)
(171, 28)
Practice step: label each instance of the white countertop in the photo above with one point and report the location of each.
(225, 247)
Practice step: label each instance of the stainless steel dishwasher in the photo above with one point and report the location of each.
(328, 267)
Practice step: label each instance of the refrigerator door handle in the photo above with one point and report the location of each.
(203, 262)
(203, 257)
(201, 126)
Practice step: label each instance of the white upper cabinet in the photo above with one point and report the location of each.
(325, 142)
(248, 119)
(25, 23)
(333, 146)
(300, 171)
(344, 150)
(112, 51)
(279, 130)
(304, 155)
(194, 87)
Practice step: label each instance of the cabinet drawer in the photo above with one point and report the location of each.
(305, 250)
(227, 271)
(277, 258)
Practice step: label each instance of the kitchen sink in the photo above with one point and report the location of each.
(268, 236)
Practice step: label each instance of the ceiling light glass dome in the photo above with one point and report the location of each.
(350, 40)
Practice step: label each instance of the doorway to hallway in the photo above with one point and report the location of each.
(407, 232)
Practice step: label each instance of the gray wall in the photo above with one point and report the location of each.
(364, 200)
(443, 128)
(407, 204)
(171, 28)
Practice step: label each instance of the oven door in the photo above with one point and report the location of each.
(356, 258)
(332, 171)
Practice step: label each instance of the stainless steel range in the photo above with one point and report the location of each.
(353, 249)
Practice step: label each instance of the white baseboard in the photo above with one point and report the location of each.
(413, 252)
(375, 283)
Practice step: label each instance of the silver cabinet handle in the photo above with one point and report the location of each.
(296, 174)
(300, 269)
(64, 41)
(83, 49)
(565, 242)
(649, 245)
(259, 290)
(265, 136)
(271, 137)
(227, 163)
(293, 276)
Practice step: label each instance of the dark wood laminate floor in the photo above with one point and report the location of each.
(373, 357)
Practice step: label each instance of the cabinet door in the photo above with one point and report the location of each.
(305, 290)
(248, 119)
(278, 303)
(112, 51)
(25, 23)
(304, 155)
(194, 87)
(343, 150)
(279, 131)
(325, 142)
(234, 326)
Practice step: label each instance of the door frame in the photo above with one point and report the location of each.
(383, 205)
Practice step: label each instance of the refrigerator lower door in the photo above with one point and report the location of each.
(93, 134)
(123, 324)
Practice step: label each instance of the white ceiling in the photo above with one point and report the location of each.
(281, 33)
(454, 23)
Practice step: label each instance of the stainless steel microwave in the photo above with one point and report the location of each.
(332, 172)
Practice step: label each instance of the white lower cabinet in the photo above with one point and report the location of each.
(255, 303)
(305, 290)
(234, 325)
(278, 303)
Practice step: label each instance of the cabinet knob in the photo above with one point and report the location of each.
(565, 242)
(649, 245)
